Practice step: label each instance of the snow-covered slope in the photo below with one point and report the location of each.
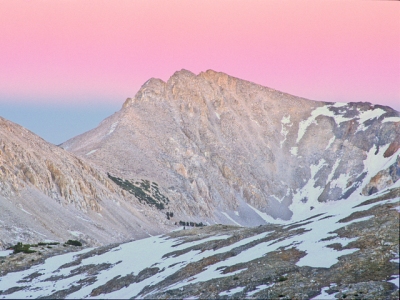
(343, 248)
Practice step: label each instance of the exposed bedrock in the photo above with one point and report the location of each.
(216, 143)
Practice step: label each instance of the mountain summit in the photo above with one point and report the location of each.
(225, 150)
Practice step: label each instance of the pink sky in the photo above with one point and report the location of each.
(87, 51)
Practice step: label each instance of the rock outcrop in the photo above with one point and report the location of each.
(47, 193)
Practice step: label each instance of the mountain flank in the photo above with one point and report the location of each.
(222, 148)
(48, 193)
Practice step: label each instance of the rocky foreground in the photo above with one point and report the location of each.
(346, 250)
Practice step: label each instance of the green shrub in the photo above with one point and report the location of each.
(282, 278)
(24, 248)
(74, 243)
(144, 190)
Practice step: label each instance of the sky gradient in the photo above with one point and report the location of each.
(64, 56)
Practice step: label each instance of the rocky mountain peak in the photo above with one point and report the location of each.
(220, 146)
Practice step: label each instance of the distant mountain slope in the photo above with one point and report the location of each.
(49, 193)
(226, 150)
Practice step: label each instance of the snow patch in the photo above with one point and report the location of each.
(341, 181)
(330, 142)
(324, 295)
(395, 280)
(307, 196)
(26, 211)
(259, 289)
(374, 163)
(75, 233)
(232, 291)
(391, 119)
(39, 233)
(92, 151)
(320, 111)
(86, 220)
(284, 131)
(294, 150)
(5, 252)
(228, 217)
(112, 128)
(370, 114)
(21, 208)
(267, 218)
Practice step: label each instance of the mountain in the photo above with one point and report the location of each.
(308, 193)
(195, 150)
(225, 150)
(47, 193)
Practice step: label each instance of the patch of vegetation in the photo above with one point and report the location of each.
(24, 248)
(73, 243)
(282, 278)
(191, 224)
(46, 244)
(144, 190)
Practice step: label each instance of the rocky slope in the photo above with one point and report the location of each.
(49, 193)
(345, 250)
(224, 150)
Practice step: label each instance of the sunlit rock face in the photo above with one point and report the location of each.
(27, 160)
(47, 193)
(231, 151)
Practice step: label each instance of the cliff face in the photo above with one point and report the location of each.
(47, 193)
(221, 148)
(27, 160)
